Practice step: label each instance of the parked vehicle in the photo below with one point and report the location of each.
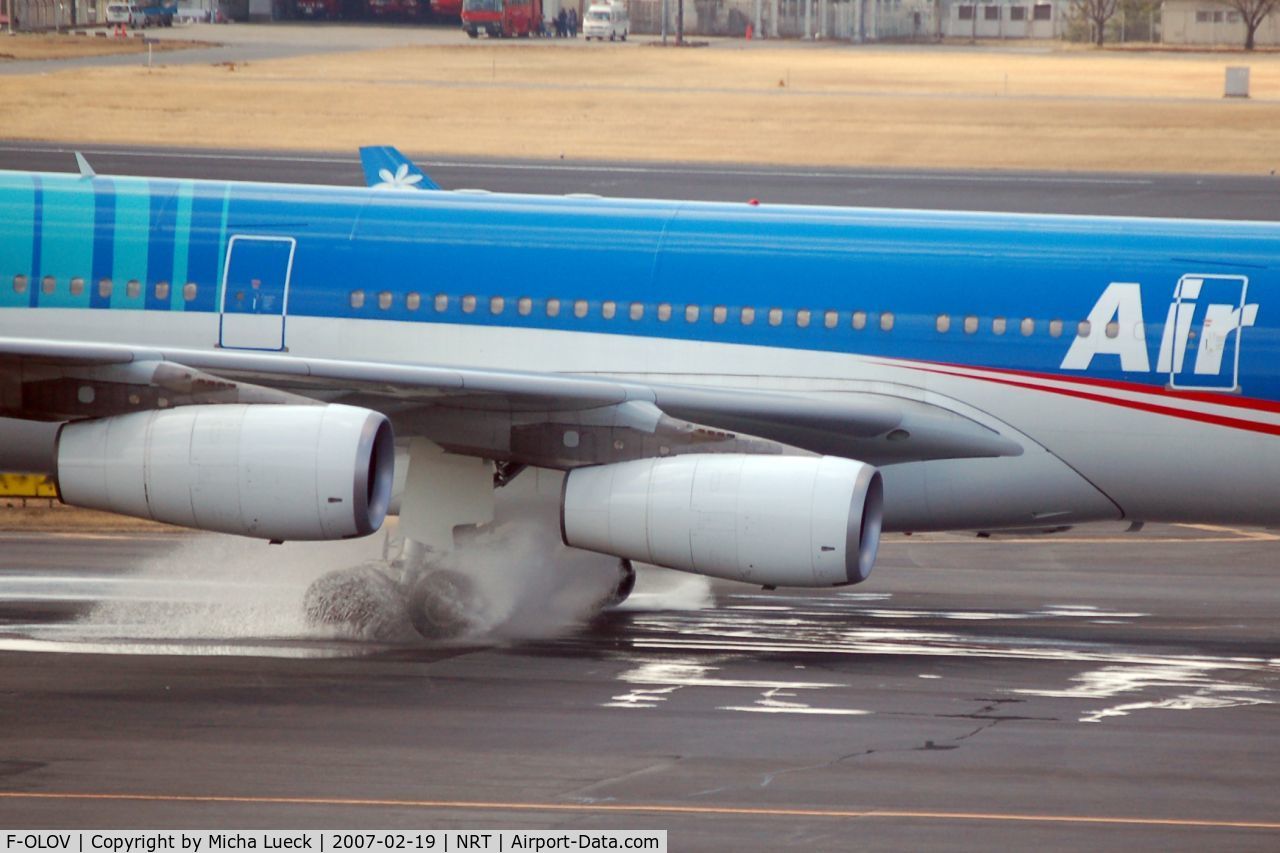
(317, 10)
(160, 15)
(606, 20)
(501, 18)
(196, 12)
(129, 14)
(393, 9)
(447, 9)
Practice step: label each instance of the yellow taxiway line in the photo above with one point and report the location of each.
(657, 808)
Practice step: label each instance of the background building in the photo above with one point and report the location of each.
(56, 14)
(1013, 19)
(852, 20)
(1207, 22)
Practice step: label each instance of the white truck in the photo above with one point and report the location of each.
(606, 20)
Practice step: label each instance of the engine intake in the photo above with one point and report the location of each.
(769, 520)
(268, 471)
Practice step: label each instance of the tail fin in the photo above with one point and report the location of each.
(385, 168)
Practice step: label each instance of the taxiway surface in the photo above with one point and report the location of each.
(1095, 689)
(1251, 197)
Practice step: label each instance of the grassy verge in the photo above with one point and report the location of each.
(24, 46)
(938, 108)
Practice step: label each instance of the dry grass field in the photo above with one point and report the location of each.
(822, 105)
(39, 46)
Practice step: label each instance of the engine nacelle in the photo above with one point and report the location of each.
(769, 520)
(268, 471)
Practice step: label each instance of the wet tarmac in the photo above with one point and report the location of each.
(1094, 689)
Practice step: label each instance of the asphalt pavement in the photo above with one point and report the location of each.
(1089, 690)
(1179, 196)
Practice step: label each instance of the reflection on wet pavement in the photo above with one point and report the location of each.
(672, 639)
(843, 627)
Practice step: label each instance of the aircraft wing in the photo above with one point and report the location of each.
(515, 416)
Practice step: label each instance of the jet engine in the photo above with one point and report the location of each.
(769, 520)
(269, 471)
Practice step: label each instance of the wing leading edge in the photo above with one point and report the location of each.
(517, 416)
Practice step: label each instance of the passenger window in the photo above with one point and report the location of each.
(609, 310)
(413, 301)
(831, 319)
(998, 325)
(1028, 327)
(943, 323)
(859, 320)
(162, 290)
(886, 321)
(468, 304)
(497, 304)
(1084, 328)
(189, 291)
(553, 307)
(719, 314)
(385, 299)
(77, 286)
(1113, 330)
(1055, 328)
(664, 312)
(133, 288)
(748, 316)
(48, 284)
(19, 284)
(802, 318)
(970, 324)
(442, 302)
(775, 316)
(524, 306)
(357, 296)
(580, 308)
(637, 310)
(691, 313)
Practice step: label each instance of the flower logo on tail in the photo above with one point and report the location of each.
(400, 180)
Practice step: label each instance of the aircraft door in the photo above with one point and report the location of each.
(1200, 346)
(255, 292)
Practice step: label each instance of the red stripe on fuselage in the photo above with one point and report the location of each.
(1216, 399)
(1153, 408)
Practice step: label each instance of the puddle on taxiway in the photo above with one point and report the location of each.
(212, 599)
(1115, 681)
(217, 595)
(669, 676)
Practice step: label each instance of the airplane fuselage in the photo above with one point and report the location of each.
(1137, 360)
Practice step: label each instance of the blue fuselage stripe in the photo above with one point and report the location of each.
(159, 248)
(181, 244)
(104, 227)
(132, 242)
(203, 254)
(37, 222)
(17, 226)
(66, 246)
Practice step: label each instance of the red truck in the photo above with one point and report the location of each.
(446, 8)
(501, 18)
